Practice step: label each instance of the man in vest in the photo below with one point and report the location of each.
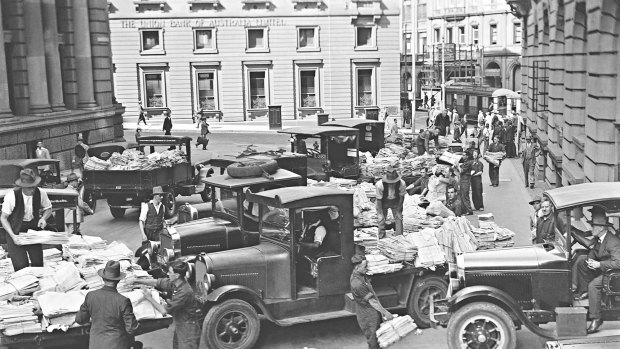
(528, 155)
(391, 191)
(20, 212)
(152, 216)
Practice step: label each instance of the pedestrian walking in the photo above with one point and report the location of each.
(495, 147)
(528, 159)
(183, 305)
(476, 181)
(391, 190)
(142, 116)
(480, 117)
(509, 139)
(204, 132)
(167, 127)
(21, 210)
(80, 156)
(368, 309)
(113, 322)
(486, 137)
(73, 182)
(426, 101)
(151, 220)
(465, 171)
(458, 132)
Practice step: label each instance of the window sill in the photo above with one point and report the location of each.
(257, 50)
(156, 108)
(366, 48)
(206, 51)
(153, 52)
(258, 110)
(310, 109)
(362, 107)
(308, 49)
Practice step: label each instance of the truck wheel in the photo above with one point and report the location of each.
(117, 212)
(90, 199)
(206, 194)
(481, 325)
(231, 324)
(170, 204)
(250, 169)
(419, 303)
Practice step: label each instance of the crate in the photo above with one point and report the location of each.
(571, 321)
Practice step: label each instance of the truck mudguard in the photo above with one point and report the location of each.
(220, 292)
(495, 295)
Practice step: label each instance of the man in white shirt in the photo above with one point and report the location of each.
(391, 190)
(42, 153)
(151, 219)
(20, 212)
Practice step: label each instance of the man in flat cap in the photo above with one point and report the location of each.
(20, 212)
(367, 307)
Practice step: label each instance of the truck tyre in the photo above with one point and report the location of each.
(419, 304)
(481, 325)
(90, 199)
(170, 204)
(117, 212)
(231, 324)
(248, 169)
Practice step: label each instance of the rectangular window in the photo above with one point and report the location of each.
(258, 96)
(517, 33)
(462, 35)
(308, 97)
(449, 35)
(475, 34)
(422, 12)
(437, 35)
(493, 34)
(207, 97)
(204, 40)
(151, 41)
(154, 90)
(307, 39)
(257, 40)
(364, 37)
(540, 85)
(365, 87)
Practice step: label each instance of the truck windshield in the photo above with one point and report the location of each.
(276, 223)
(227, 202)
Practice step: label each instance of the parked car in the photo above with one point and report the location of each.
(499, 291)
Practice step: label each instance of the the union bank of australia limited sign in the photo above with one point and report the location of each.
(202, 22)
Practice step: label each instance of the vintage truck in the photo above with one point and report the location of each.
(496, 292)
(233, 223)
(287, 287)
(129, 188)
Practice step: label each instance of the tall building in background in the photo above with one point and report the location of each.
(55, 77)
(233, 59)
(570, 87)
(482, 41)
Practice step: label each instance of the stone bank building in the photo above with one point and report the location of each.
(570, 87)
(235, 58)
(55, 77)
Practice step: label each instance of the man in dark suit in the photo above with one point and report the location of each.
(603, 256)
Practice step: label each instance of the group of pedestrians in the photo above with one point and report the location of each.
(202, 124)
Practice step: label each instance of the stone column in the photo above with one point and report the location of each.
(83, 59)
(35, 58)
(52, 55)
(5, 107)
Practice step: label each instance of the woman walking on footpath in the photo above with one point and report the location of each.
(476, 182)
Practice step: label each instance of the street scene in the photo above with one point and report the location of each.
(214, 174)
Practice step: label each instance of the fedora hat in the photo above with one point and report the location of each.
(387, 176)
(157, 190)
(72, 177)
(599, 217)
(27, 178)
(536, 199)
(112, 271)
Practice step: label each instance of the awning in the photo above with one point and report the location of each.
(502, 92)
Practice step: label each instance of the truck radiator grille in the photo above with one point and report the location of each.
(250, 280)
(518, 285)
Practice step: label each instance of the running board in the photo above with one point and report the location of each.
(315, 317)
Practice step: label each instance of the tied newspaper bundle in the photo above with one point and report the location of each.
(379, 264)
(19, 318)
(494, 158)
(394, 330)
(32, 237)
(490, 235)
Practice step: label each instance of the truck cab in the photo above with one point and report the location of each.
(234, 220)
(288, 285)
(499, 291)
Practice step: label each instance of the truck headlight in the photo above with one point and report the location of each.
(552, 345)
(167, 255)
(153, 247)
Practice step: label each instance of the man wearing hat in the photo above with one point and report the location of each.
(151, 219)
(391, 191)
(82, 207)
(604, 255)
(111, 314)
(20, 212)
(81, 155)
(528, 156)
(367, 307)
(545, 224)
(535, 203)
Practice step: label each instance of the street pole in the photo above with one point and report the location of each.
(443, 73)
(414, 44)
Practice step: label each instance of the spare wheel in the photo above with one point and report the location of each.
(247, 169)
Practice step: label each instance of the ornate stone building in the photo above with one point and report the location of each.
(570, 87)
(55, 77)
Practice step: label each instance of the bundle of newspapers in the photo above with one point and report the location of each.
(394, 330)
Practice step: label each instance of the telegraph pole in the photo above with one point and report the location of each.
(414, 44)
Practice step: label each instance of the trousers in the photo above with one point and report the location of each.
(397, 212)
(528, 171)
(591, 281)
(26, 255)
(186, 334)
(476, 192)
(494, 174)
(369, 320)
(152, 234)
(465, 183)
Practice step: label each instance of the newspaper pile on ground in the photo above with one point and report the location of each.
(32, 237)
(394, 330)
(19, 318)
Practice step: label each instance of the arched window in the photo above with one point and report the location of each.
(493, 75)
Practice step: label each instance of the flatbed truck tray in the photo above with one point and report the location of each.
(75, 337)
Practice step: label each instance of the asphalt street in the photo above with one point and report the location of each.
(508, 203)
